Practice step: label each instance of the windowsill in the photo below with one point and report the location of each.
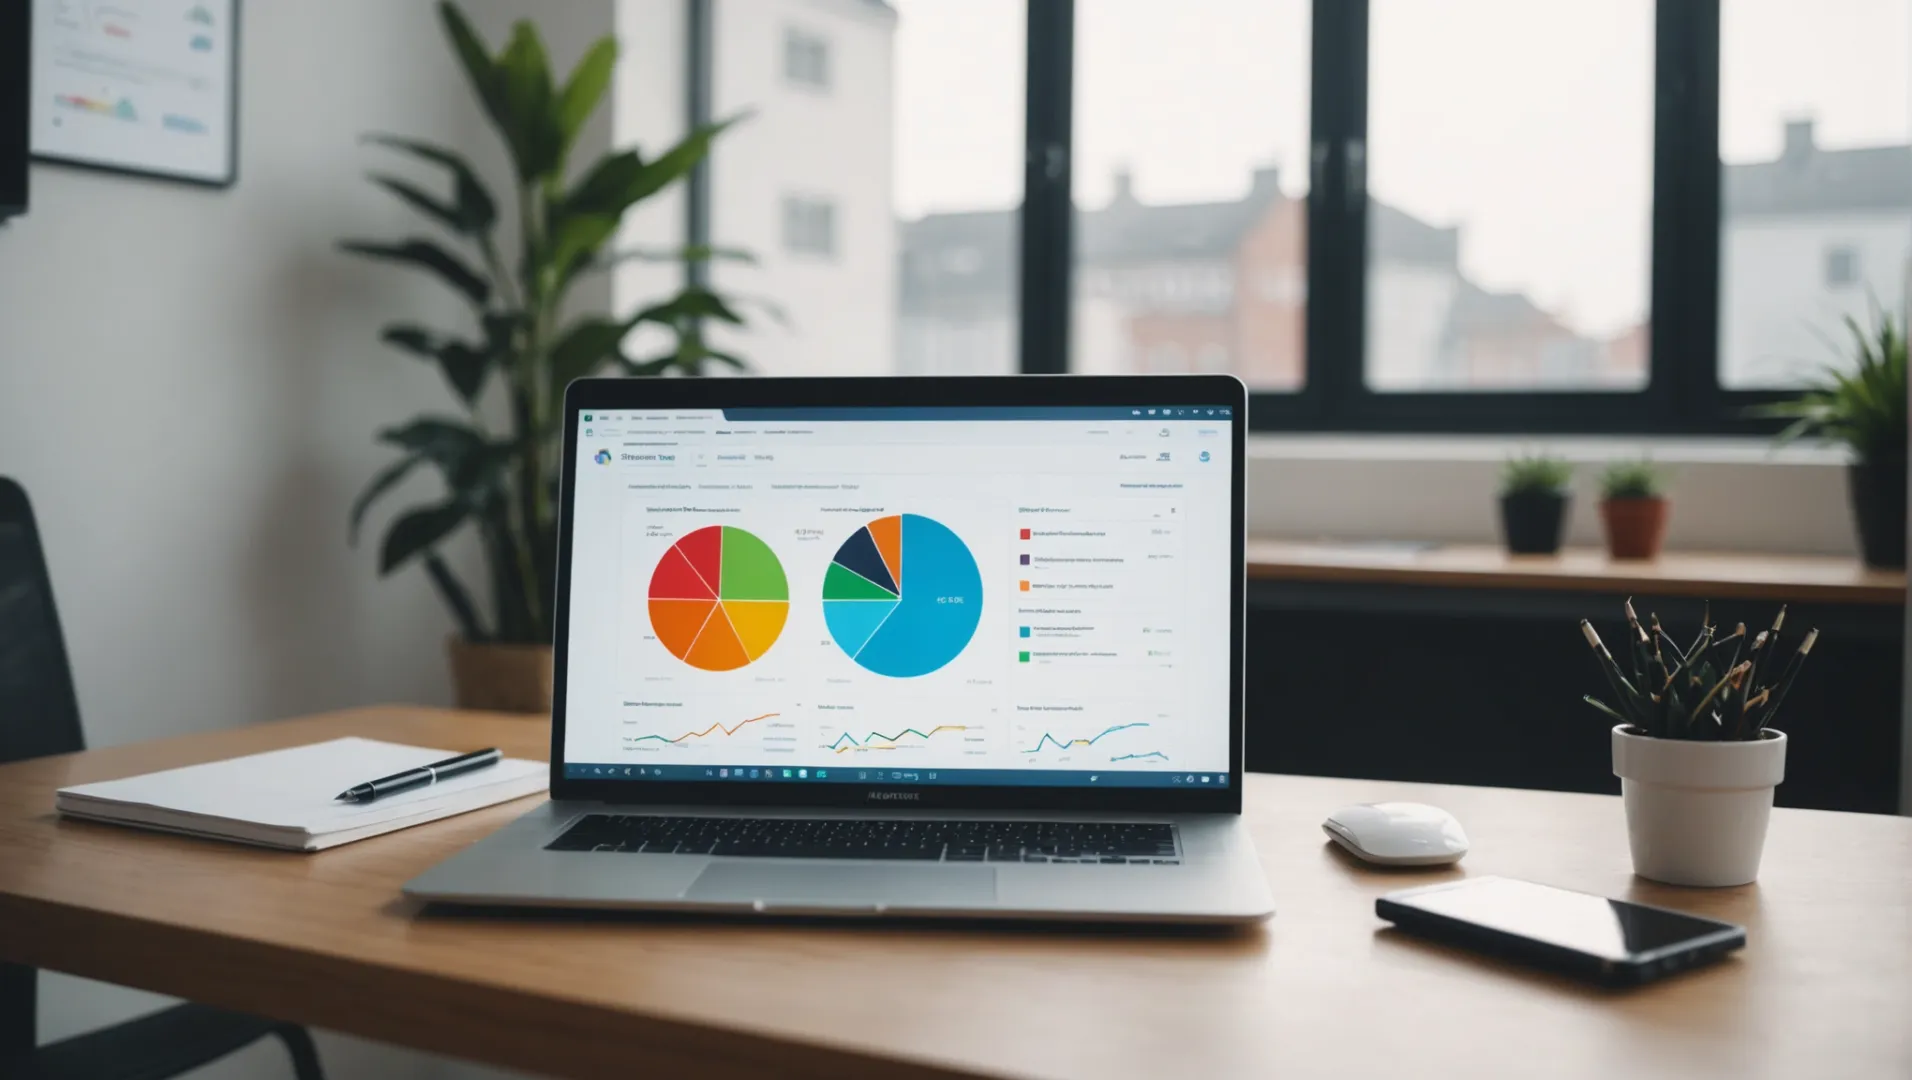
(1578, 449)
(1728, 494)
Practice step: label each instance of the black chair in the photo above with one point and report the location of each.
(39, 715)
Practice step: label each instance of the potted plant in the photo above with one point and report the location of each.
(1633, 508)
(1694, 746)
(1533, 503)
(1865, 408)
(500, 476)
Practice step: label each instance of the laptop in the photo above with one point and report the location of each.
(893, 647)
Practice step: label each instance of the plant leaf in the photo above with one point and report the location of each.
(471, 195)
(656, 365)
(575, 240)
(1605, 708)
(532, 128)
(486, 77)
(440, 440)
(583, 348)
(689, 253)
(473, 466)
(695, 302)
(476, 207)
(424, 202)
(465, 366)
(416, 531)
(600, 191)
(585, 89)
(622, 180)
(456, 598)
(381, 483)
(427, 255)
(1861, 403)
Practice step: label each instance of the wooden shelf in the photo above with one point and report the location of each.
(1718, 576)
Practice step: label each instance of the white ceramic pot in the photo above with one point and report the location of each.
(1697, 811)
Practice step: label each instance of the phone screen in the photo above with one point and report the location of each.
(1610, 929)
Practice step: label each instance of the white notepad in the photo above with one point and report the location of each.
(286, 798)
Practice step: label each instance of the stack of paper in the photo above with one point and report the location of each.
(286, 798)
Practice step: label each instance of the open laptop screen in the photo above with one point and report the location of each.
(929, 596)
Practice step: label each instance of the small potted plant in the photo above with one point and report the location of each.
(1694, 746)
(1633, 508)
(1533, 503)
(1865, 408)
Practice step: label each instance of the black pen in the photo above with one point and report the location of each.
(422, 776)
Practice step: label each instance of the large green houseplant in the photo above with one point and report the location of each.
(509, 367)
(1865, 408)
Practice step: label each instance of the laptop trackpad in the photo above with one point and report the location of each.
(772, 885)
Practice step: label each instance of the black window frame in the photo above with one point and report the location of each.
(1683, 394)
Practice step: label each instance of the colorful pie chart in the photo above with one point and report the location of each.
(719, 598)
(903, 596)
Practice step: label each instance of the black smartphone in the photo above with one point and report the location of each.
(1612, 942)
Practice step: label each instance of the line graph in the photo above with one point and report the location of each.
(888, 742)
(1071, 743)
(732, 730)
(1152, 755)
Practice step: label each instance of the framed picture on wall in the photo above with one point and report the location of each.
(149, 87)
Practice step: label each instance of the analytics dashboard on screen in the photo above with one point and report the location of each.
(920, 595)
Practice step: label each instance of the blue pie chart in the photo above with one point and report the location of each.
(902, 596)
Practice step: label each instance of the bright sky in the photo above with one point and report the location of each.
(1526, 122)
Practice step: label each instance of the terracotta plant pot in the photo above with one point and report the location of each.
(1877, 489)
(500, 678)
(1697, 811)
(1635, 527)
(1531, 521)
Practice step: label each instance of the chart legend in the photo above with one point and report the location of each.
(903, 596)
(718, 598)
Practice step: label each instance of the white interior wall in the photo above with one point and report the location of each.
(190, 382)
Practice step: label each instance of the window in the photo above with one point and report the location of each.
(1507, 233)
(883, 214)
(1816, 146)
(1609, 216)
(958, 183)
(1842, 267)
(806, 59)
(809, 226)
(1190, 181)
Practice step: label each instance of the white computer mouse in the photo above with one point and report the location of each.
(1398, 833)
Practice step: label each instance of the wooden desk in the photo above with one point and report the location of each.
(1823, 990)
(1716, 576)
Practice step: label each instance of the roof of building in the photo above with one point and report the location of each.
(1806, 179)
(1475, 308)
(1399, 236)
(1130, 231)
(973, 253)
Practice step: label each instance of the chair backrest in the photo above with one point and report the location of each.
(39, 713)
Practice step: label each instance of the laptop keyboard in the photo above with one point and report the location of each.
(1117, 842)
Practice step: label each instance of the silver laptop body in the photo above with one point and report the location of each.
(894, 647)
